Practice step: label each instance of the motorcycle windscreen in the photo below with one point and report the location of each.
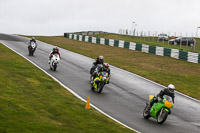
(168, 101)
(56, 55)
(104, 74)
(99, 67)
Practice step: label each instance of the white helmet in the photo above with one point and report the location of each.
(33, 38)
(171, 88)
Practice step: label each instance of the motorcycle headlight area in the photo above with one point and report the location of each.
(168, 104)
(33, 45)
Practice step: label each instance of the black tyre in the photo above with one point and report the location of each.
(92, 87)
(146, 114)
(33, 52)
(91, 78)
(100, 87)
(29, 52)
(162, 116)
(55, 66)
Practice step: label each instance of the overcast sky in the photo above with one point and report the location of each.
(54, 17)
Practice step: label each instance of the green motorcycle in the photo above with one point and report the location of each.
(101, 79)
(159, 110)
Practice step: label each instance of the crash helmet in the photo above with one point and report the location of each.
(101, 58)
(106, 66)
(171, 88)
(33, 38)
(55, 49)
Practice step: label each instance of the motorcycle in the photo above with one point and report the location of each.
(101, 79)
(159, 110)
(54, 61)
(32, 48)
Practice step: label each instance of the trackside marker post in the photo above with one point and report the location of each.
(87, 106)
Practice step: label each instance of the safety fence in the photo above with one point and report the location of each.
(157, 50)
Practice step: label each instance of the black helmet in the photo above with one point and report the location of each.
(101, 59)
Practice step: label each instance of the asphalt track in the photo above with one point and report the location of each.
(124, 98)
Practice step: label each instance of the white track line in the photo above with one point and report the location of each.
(70, 90)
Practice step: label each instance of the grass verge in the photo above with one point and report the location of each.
(164, 70)
(32, 102)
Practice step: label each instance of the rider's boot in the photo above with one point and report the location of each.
(150, 105)
(92, 82)
(49, 59)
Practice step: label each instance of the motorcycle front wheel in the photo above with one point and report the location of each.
(54, 67)
(162, 116)
(100, 87)
(32, 52)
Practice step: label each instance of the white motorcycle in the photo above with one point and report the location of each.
(54, 61)
(32, 48)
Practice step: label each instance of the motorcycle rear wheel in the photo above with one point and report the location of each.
(146, 114)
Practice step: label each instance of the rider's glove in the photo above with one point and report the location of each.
(159, 99)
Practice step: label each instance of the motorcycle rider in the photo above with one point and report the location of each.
(54, 51)
(32, 40)
(167, 91)
(104, 68)
(99, 60)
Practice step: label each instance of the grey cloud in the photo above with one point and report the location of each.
(52, 17)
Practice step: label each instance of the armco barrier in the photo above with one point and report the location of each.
(173, 53)
(116, 43)
(167, 52)
(126, 44)
(199, 58)
(98, 40)
(152, 49)
(106, 41)
(138, 47)
(183, 55)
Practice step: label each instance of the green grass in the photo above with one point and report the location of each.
(164, 70)
(148, 40)
(32, 102)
